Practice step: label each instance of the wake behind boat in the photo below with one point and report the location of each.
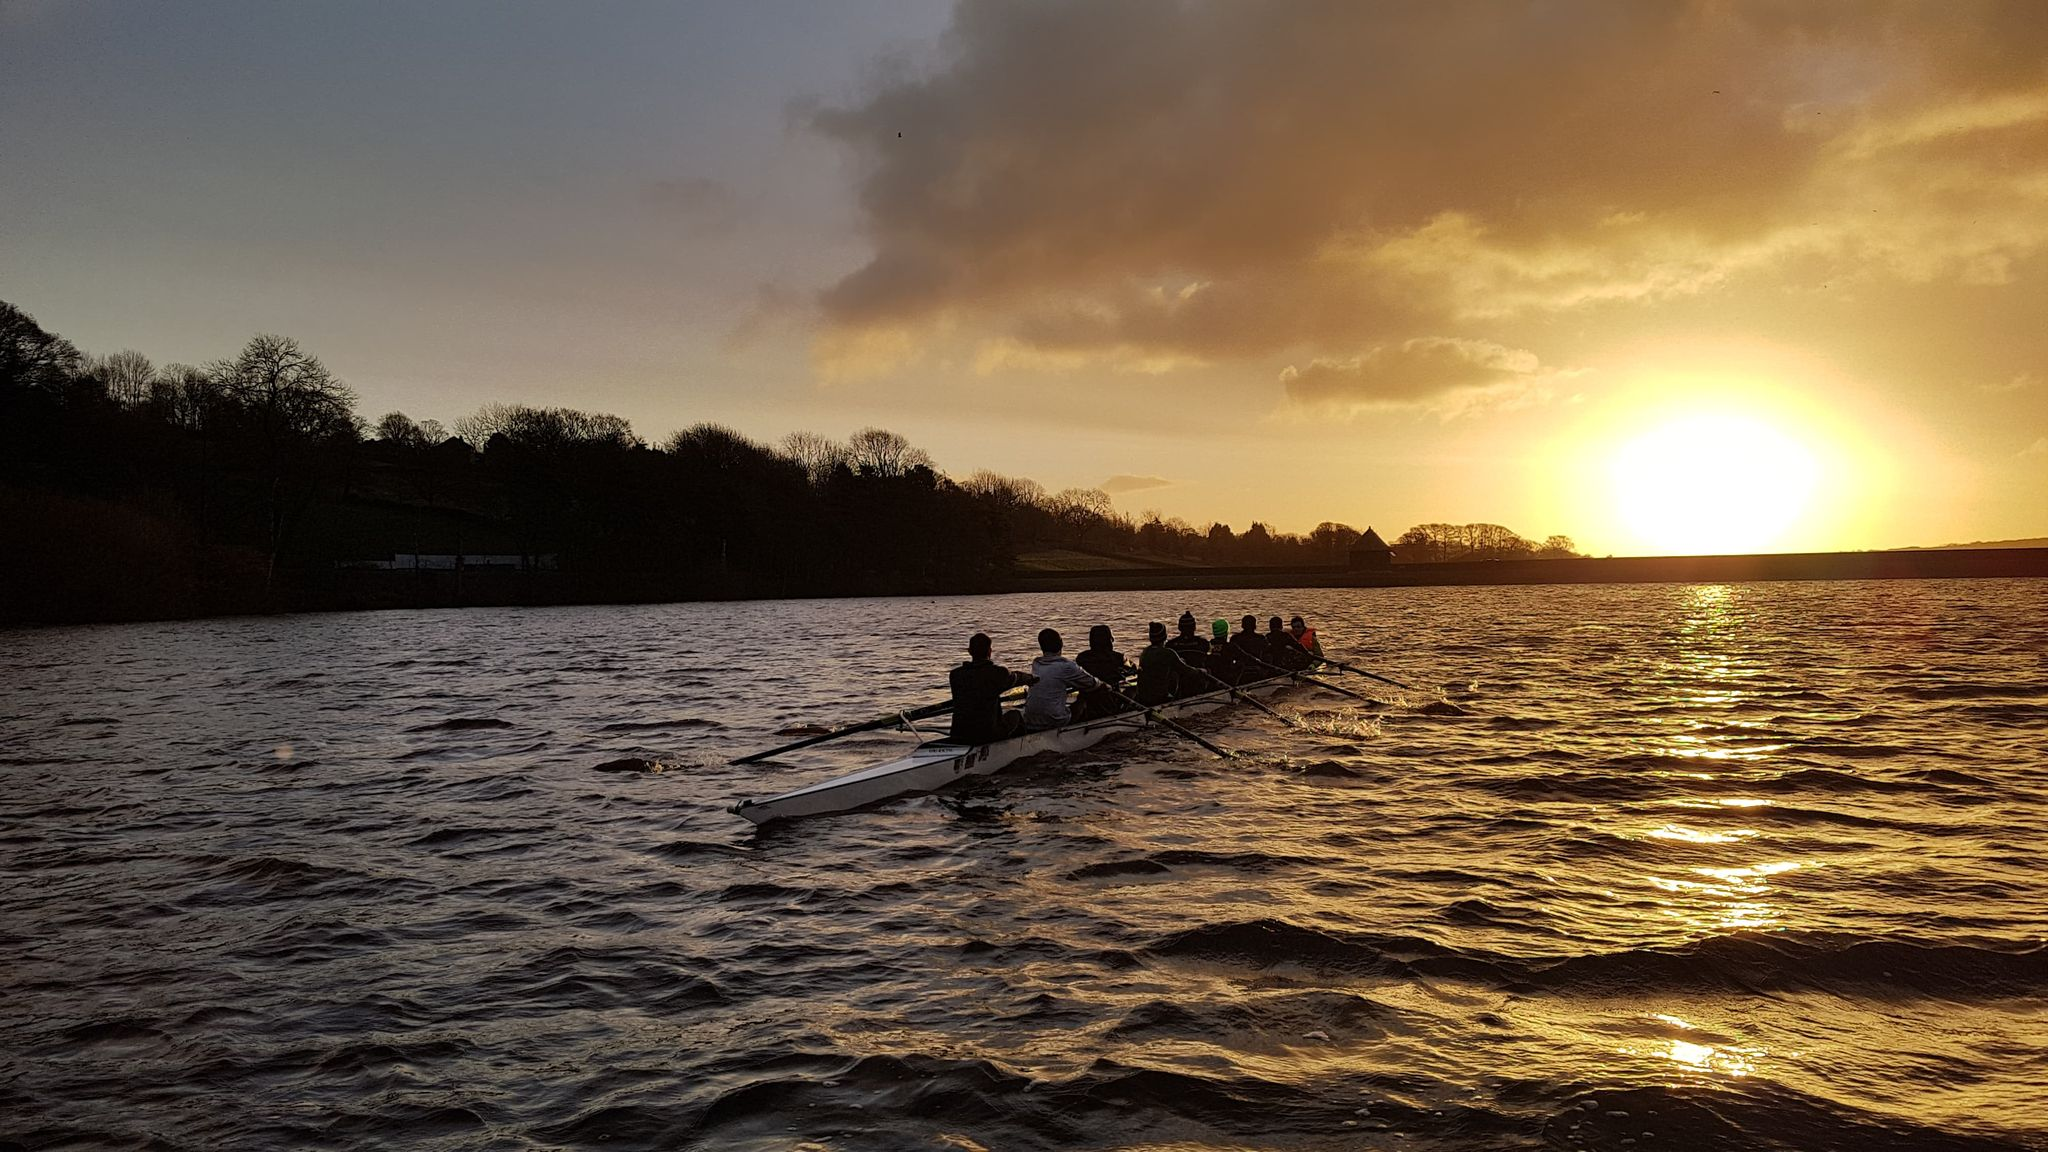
(937, 763)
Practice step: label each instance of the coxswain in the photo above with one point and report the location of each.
(1045, 706)
(1306, 637)
(1160, 670)
(1283, 650)
(978, 686)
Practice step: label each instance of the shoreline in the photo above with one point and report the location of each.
(364, 591)
(1898, 564)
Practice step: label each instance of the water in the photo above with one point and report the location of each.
(1746, 866)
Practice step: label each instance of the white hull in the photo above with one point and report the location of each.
(934, 765)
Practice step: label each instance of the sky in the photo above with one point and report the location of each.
(1664, 277)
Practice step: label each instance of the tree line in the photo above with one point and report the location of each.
(251, 483)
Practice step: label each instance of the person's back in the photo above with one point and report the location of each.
(1250, 649)
(1193, 651)
(1045, 706)
(1221, 662)
(1159, 668)
(978, 687)
(1102, 660)
(1284, 650)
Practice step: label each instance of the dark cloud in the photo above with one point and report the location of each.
(1127, 483)
(1220, 178)
(1451, 374)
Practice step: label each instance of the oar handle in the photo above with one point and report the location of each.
(1305, 676)
(894, 718)
(1239, 693)
(1153, 714)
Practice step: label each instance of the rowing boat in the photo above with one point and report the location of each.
(937, 763)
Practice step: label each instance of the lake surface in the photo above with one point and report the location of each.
(1732, 866)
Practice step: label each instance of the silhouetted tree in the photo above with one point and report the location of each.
(1333, 541)
(299, 414)
(32, 358)
(817, 455)
(879, 452)
(127, 375)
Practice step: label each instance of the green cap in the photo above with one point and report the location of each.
(1220, 629)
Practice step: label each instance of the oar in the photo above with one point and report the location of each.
(1153, 714)
(1240, 694)
(892, 719)
(1363, 672)
(1310, 679)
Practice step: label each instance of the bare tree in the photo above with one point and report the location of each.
(398, 428)
(294, 404)
(880, 452)
(817, 455)
(715, 444)
(478, 427)
(1332, 538)
(1007, 492)
(288, 392)
(127, 374)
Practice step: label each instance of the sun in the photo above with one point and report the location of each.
(1713, 482)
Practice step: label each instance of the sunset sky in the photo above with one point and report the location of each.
(1661, 276)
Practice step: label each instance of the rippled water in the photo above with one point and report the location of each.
(1634, 867)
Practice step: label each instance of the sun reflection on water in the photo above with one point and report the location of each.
(1725, 899)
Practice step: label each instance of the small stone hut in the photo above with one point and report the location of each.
(1371, 551)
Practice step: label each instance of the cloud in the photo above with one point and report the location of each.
(1223, 179)
(1452, 376)
(2035, 451)
(1126, 483)
(2019, 383)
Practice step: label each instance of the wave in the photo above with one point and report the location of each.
(1965, 690)
(659, 725)
(1739, 961)
(463, 724)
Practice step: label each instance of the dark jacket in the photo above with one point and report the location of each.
(1105, 664)
(1284, 651)
(1252, 655)
(1192, 649)
(978, 686)
(1159, 669)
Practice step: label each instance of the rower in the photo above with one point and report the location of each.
(1250, 649)
(1190, 646)
(1102, 660)
(1045, 706)
(1160, 669)
(1221, 662)
(1306, 637)
(1283, 650)
(978, 687)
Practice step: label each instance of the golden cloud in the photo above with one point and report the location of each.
(1163, 183)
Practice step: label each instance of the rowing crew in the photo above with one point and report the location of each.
(1166, 669)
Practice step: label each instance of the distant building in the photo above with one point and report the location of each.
(1371, 551)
